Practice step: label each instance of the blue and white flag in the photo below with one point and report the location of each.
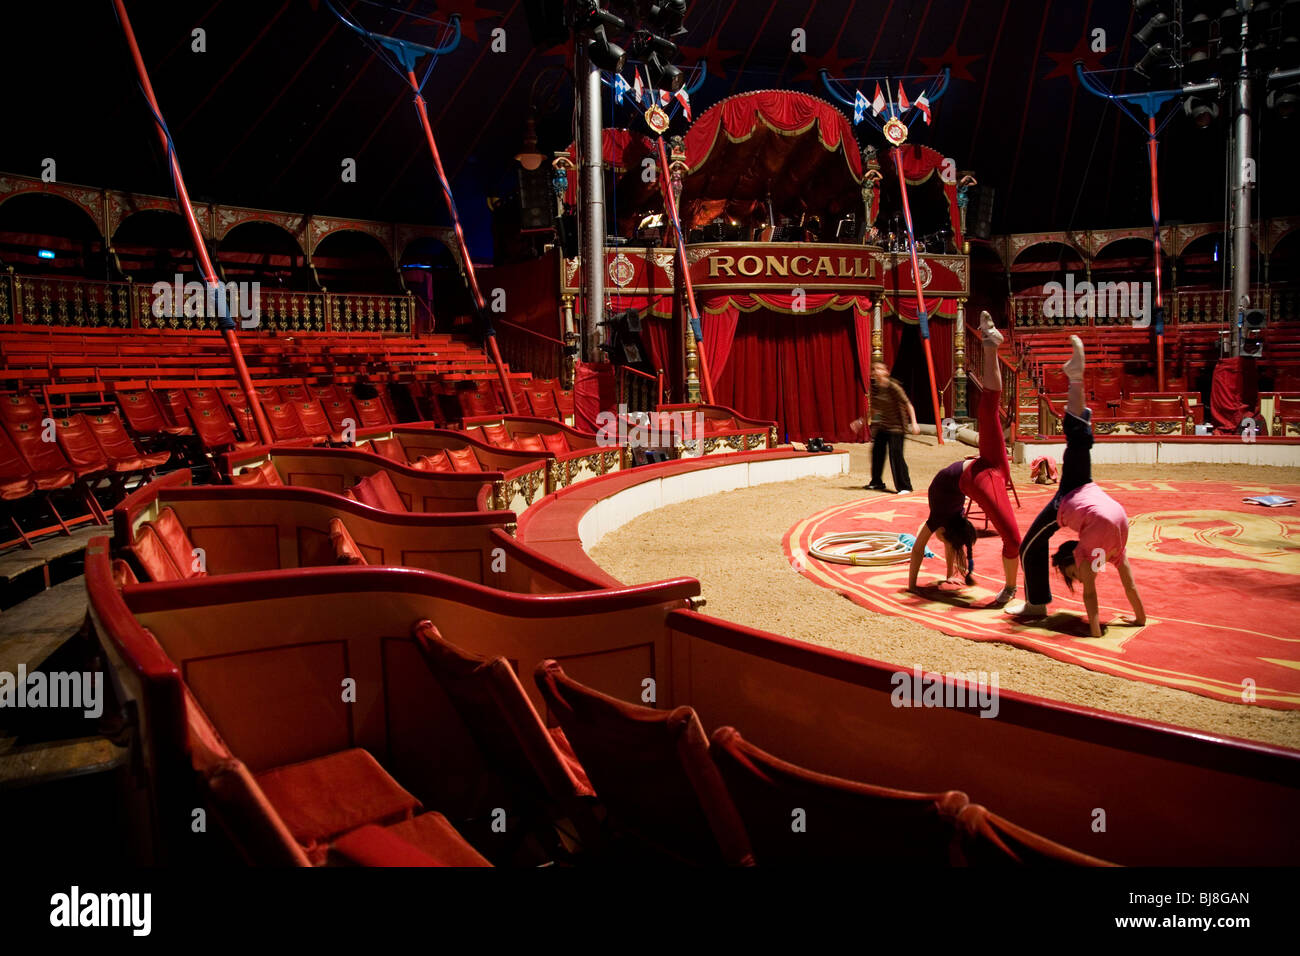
(620, 88)
(860, 107)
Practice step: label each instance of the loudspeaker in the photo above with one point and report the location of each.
(536, 198)
(546, 22)
(566, 234)
(979, 213)
(1254, 319)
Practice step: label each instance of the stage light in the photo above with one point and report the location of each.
(606, 54)
(663, 75)
(1156, 24)
(45, 253)
(1155, 59)
(1202, 111)
(529, 157)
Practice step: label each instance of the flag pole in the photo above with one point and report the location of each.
(921, 315)
(196, 235)
(508, 396)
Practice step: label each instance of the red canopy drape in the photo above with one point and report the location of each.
(781, 110)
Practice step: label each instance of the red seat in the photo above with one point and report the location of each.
(340, 413)
(438, 461)
(15, 475)
(651, 770)
(1133, 408)
(371, 413)
(497, 435)
(325, 797)
(286, 426)
(313, 418)
(390, 448)
(378, 491)
(989, 840)
(527, 441)
(426, 840)
(475, 403)
(557, 442)
(144, 416)
(173, 402)
(538, 765)
(21, 409)
(842, 820)
(542, 402)
(346, 550)
(119, 449)
(214, 428)
(52, 475)
(78, 443)
(264, 475)
(463, 459)
(164, 550)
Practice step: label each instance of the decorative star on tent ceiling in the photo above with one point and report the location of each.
(829, 61)
(712, 54)
(958, 64)
(470, 14)
(1092, 60)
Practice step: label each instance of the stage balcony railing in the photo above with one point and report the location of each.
(1184, 306)
(640, 391)
(72, 302)
(525, 348)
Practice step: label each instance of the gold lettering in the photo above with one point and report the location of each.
(778, 266)
(794, 266)
(844, 267)
(758, 265)
(861, 268)
(824, 267)
(721, 265)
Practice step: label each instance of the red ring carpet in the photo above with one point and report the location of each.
(1218, 578)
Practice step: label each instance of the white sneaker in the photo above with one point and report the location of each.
(1025, 609)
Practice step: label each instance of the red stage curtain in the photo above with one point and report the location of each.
(655, 335)
(781, 110)
(905, 307)
(800, 373)
(719, 332)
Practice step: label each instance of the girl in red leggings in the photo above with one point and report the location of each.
(983, 479)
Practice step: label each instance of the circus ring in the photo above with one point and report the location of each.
(1048, 761)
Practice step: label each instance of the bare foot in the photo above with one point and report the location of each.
(1073, 367)
(1025, 609)
(988, 331)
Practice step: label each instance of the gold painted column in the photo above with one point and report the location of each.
(959, 361)
(676, 171)
(570, 339)
(877, 335)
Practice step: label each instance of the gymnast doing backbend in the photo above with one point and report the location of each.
(1081, 506)
(983, 479)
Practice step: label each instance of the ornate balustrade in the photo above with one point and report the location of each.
(87, 303)
(1191, 307)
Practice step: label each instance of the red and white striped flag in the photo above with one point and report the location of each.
(665, 97)
(878, 103)
(637, 89)
(903, 105)
(923, 105)
(685, 100)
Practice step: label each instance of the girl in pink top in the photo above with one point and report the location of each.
(1081, 506)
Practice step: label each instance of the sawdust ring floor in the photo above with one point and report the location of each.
(732, 543)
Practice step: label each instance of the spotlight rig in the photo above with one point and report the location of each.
(645, 30)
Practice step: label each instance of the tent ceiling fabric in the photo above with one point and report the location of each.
(282, 94)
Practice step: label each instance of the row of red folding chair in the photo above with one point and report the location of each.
(668, 791)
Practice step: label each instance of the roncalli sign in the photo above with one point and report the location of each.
(778, 266)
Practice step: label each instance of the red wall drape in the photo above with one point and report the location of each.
(798, 371)
(655, 335)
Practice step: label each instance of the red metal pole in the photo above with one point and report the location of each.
(1153, 146)
(443, 181)
(201, 250)
(670, 201)
(920, 296)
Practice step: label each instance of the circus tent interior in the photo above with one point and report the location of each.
(453, 434)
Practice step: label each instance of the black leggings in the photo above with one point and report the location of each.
(892, 443)
(1076, 471)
